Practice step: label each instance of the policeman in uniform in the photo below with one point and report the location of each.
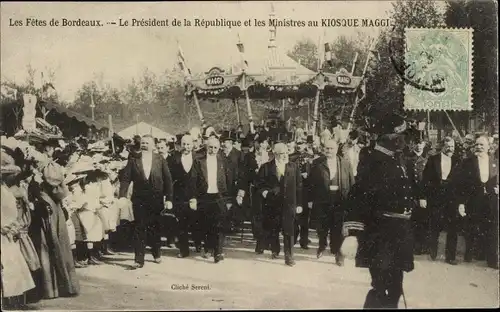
(379, 212)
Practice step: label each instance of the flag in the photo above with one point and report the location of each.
(182, 62)
(328, 54)
(241, 49)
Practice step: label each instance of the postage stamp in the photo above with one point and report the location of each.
(438, 64)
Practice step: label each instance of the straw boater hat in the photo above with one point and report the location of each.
(53, 174)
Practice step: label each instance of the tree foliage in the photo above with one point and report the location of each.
(481, 16)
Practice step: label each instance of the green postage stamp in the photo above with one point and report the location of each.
(438, 69)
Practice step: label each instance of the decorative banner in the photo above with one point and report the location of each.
(29, 110)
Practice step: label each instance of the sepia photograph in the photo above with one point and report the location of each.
(249, 155)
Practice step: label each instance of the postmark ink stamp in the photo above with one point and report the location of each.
(438, 68)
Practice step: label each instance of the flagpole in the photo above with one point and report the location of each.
(315, 113)
(111, 132)
(357, 100)
(236, 104)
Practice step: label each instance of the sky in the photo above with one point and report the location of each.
(79, 54)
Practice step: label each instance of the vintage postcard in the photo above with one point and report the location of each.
(229, 155)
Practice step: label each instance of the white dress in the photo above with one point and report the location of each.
(16, 276)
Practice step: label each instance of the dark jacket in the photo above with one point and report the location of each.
(320, 180)
(184, 182)
(233, 162)
(223, 177)
(384, 188)
(283, 195)
(472, 192)
(433, 188)
(156, 187)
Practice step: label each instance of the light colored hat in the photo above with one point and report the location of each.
(82, 166)
(8, 164)
(73, 178)
(53, 174)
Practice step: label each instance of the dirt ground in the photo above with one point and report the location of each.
(245, 280)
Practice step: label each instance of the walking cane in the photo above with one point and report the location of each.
(404, 297)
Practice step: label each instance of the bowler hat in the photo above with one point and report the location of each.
(391, 123)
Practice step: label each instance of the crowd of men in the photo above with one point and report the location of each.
(388, 189)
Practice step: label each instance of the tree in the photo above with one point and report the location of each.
(482, 18)
(384, 88)
(305, 52)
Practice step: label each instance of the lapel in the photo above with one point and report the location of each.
(138, 162)
(476, 168)
(439, 167)
(272, 169)
(492, 167)
(203, 166)
(326, 170)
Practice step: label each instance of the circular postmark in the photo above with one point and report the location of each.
(414, 72)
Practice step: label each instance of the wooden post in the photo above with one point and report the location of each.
(137, 124)
(453, 125)
(198, 108)
(111, 132)
(236, 104)
(249, 109)
(315, 113)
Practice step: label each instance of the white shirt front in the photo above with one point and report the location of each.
(332, 167)
(353, 155)
(147, 161)
(445, 166)
(187, 162)
(484, 168)
(212, 174)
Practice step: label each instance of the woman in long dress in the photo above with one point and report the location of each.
(16, 276)
(49, 233)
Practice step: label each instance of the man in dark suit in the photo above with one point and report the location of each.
(184, 169)
(331, 180)
(247, 187)
(213, 181)
(280, 184)
(477, 188)
(303, 161)
(380, 207)
(233, 160)
(152, 195)
(438, 197)
(416, 159)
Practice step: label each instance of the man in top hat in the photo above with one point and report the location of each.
(303, 161)
(477, 192)
(152, 195)
(233, 159)
(379, 212)
(279, 184)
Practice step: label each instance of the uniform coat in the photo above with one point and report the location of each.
(386, 243)
(283, 196)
